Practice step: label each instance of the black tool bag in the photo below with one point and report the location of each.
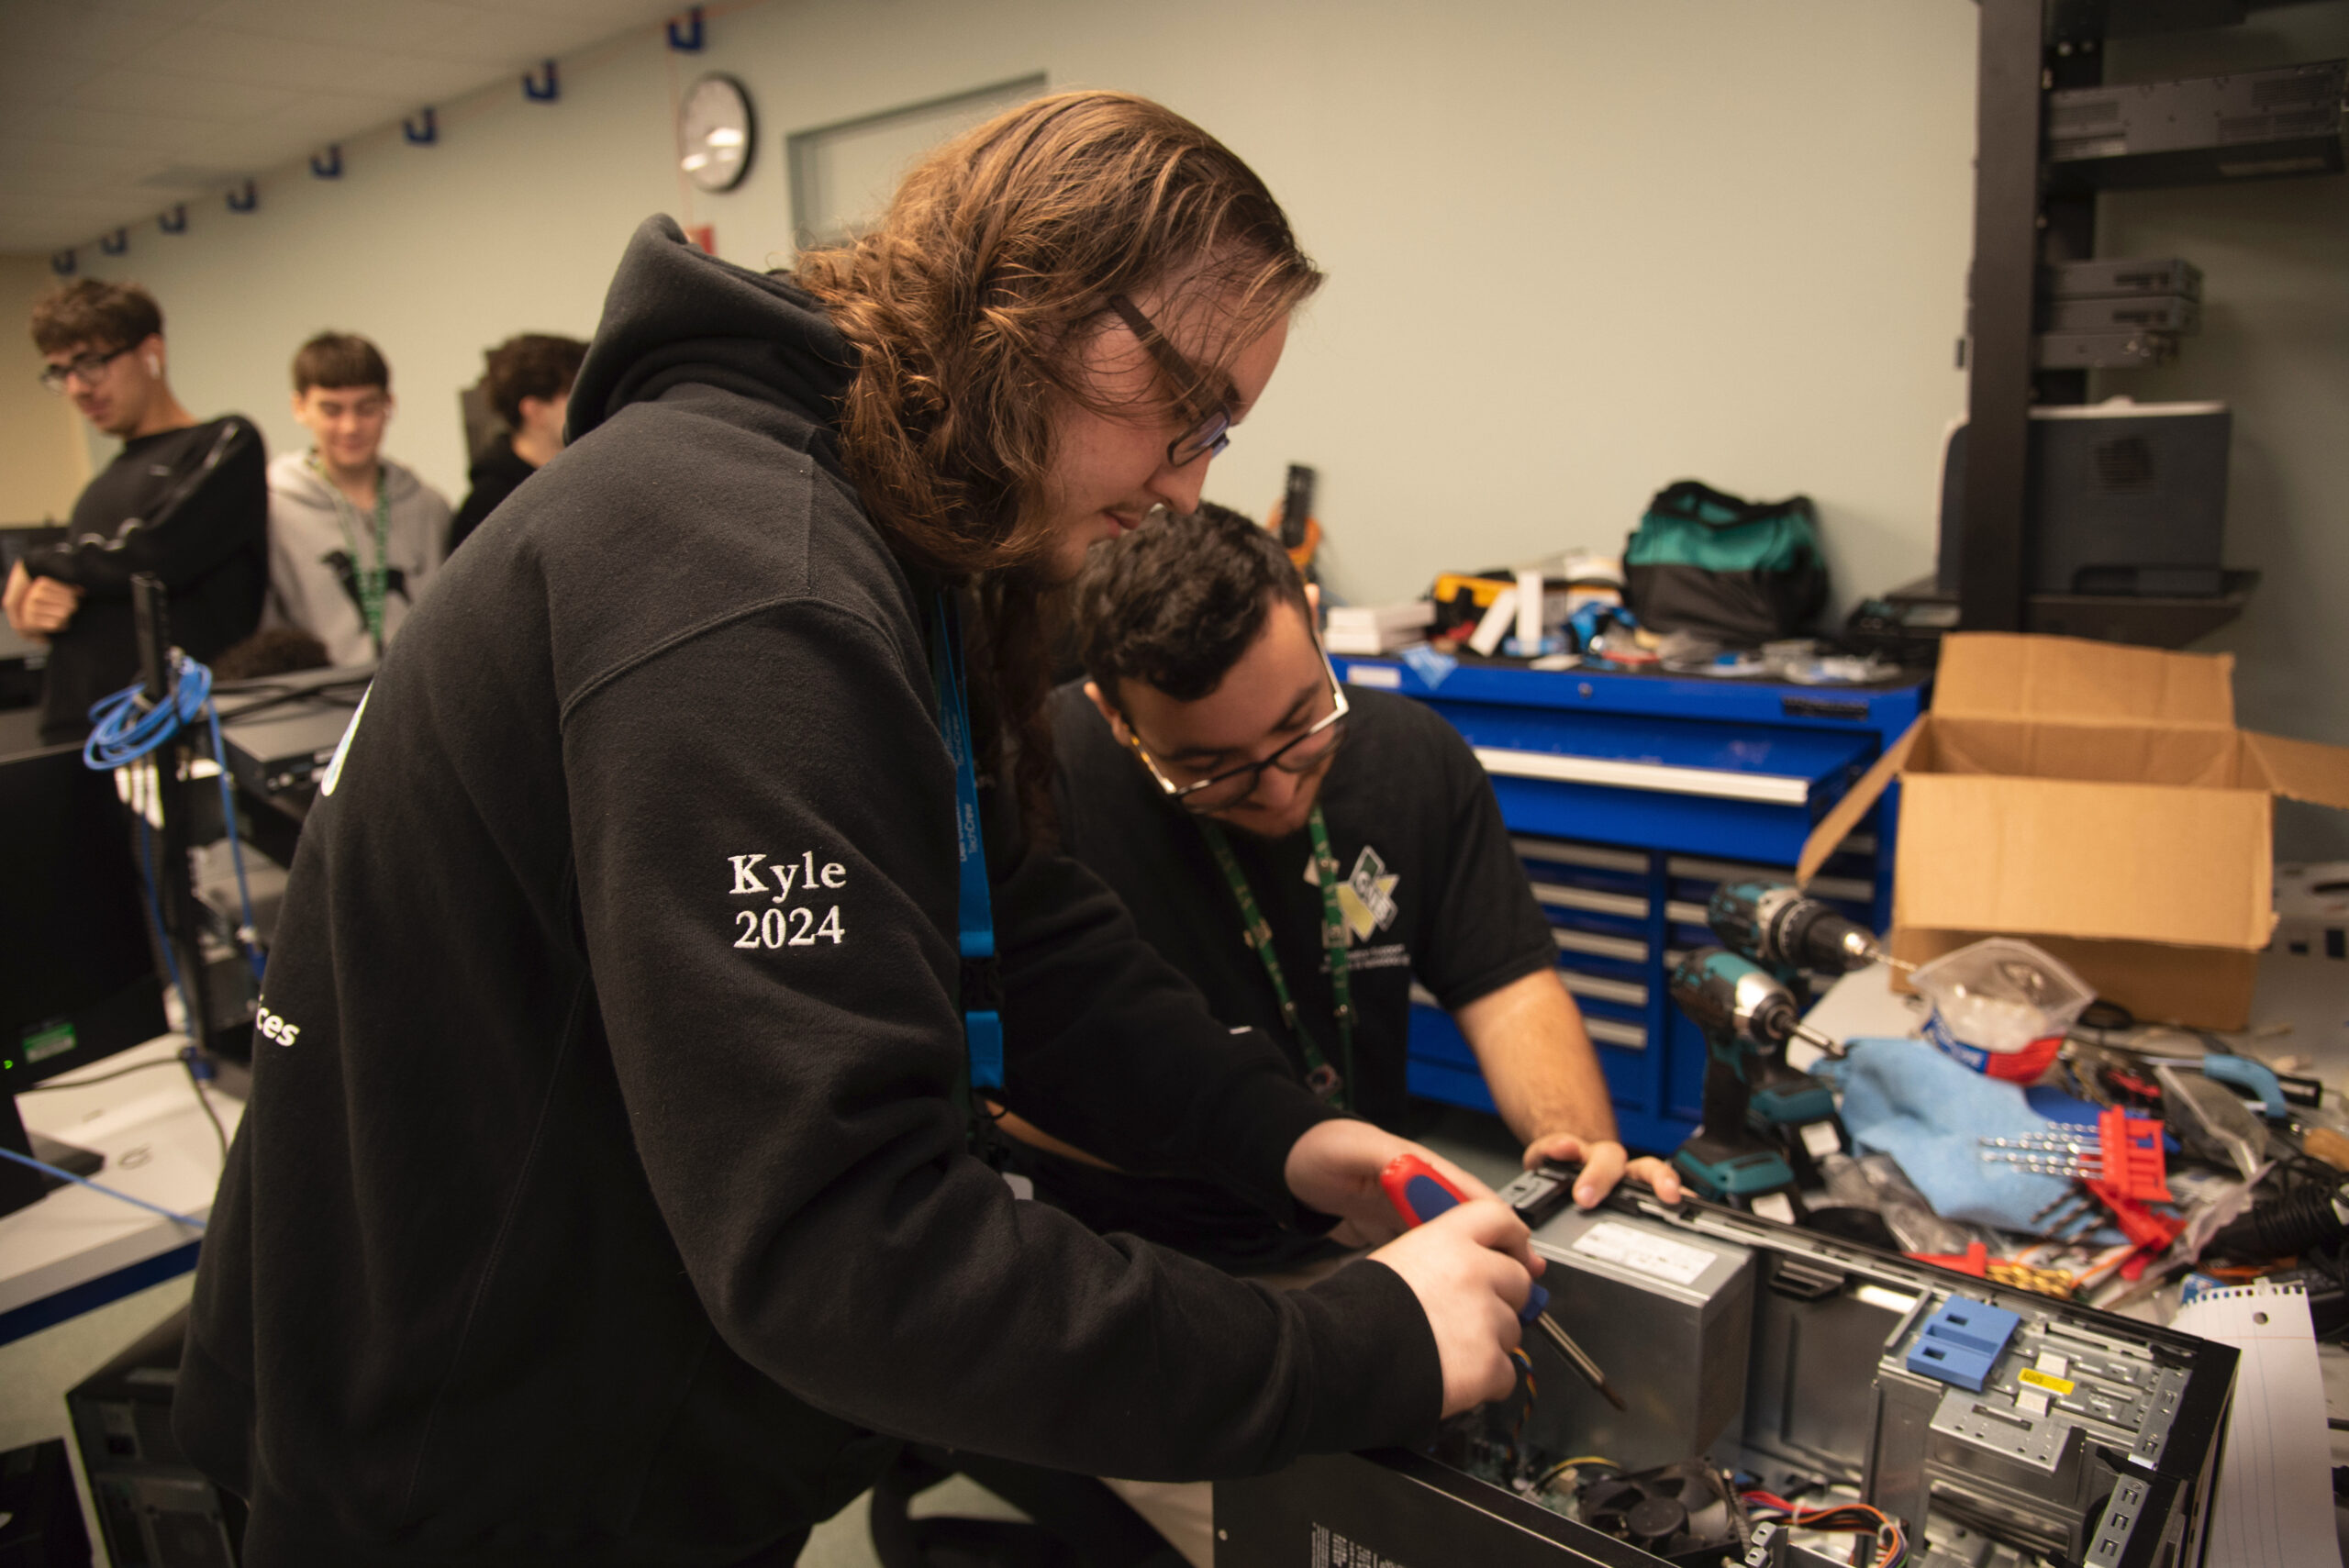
(1741, 572)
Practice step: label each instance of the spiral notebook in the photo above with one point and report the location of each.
(2273, 1508)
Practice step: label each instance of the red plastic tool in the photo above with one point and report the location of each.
(2152, 1232)
(1418, 1190)
(2129, 1150)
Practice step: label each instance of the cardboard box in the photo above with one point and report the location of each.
(2099, 801)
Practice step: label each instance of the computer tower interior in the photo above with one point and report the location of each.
(1991, 1427)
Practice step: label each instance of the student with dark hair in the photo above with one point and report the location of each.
(1216, 774)
(529, 381)
(353, 537)
(182, 500)
(615, 1187)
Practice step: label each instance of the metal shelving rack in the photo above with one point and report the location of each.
(2022, 221)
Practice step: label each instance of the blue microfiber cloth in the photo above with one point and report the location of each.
(1903, 1098)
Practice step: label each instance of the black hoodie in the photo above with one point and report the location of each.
(602, 1196)
(496, 474)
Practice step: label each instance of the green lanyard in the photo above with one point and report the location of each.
(373, 582)
(1320, 1077)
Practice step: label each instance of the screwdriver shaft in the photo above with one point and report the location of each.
(1581, 1360)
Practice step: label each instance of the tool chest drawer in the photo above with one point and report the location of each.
(1629, 798)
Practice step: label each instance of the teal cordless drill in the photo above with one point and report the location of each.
(1788, 932)
(1793, 936)
(1746, 1017)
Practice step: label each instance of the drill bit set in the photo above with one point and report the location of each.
(2124, 1156)
(2121, 1172)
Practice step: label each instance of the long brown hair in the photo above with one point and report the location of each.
(966, 304)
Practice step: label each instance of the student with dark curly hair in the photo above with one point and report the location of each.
(183, 499)
(1211, 764)
(529, 380)
(619, 1181)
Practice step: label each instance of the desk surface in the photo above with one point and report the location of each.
(76, 1249)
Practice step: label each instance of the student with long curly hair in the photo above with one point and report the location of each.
(617, 1185)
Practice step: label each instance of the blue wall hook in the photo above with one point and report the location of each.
(174, 221)
(418, 136)
(244, 197)
(685, 37)
(328, 165)
(544, 88)
(114, 244)
(64, 264)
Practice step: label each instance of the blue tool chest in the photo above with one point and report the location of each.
(1629, 797)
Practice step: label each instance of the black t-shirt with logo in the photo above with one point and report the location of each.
(1431, 890)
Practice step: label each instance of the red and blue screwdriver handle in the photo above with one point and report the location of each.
(1420, 1192)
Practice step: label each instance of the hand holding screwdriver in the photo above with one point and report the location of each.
(1419, 1193)
(1468, 1271)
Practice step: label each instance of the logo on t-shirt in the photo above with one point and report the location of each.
(1366, 899)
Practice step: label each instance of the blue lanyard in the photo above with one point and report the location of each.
(974, 914)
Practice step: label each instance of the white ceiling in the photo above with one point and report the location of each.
(112, 111)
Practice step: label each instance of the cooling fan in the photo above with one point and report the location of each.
(1683, 1513)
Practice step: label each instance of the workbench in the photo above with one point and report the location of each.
(76, 1249)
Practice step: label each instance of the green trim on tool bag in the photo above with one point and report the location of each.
(1689, 524)
(1740, 573)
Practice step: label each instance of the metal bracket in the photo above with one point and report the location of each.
(424, 135)
(328, 165)
(689, 39)
(544, 88)
(64, 264)
(244, 197)
(174, 221)
(114, 244)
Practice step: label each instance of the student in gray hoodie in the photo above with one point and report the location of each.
(353, 537)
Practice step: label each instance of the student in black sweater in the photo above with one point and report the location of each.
(186, 501)
(607, 1192)
(529, 379)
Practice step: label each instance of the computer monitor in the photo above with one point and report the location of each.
(77, 966)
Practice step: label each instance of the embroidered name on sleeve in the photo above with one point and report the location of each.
(782, 922)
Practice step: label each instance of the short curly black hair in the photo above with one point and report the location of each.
(1176, 602)
(535, 365)
(91, 313)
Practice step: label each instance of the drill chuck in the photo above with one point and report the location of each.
(1770, 1018)
(1784, 930)
(1725, 994)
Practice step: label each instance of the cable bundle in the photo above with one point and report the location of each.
(1846, 1519)
(125, 729)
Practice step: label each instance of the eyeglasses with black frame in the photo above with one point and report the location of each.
(89, 367)
(1212, 433)
(1302, 755)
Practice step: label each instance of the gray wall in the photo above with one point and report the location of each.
(1579, 248)
(43, 462)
